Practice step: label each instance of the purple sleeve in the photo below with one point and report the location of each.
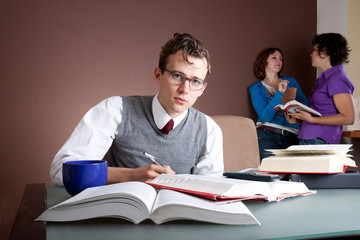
(340, 84)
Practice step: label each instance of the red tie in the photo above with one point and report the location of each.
(168, 127)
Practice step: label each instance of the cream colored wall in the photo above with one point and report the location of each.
(342, 16)
(354, 64)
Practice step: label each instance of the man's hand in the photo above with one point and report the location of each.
(141, 174)
(150, 172)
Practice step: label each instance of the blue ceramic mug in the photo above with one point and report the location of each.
(82, 174)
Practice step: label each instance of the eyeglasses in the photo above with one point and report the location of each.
(179, 78)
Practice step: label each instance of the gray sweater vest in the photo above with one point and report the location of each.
(180, 149)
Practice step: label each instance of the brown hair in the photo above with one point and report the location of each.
(261, 63)
(189, 45)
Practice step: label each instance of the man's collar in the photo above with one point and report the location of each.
(161, 117)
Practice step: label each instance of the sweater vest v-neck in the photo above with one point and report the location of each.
(138, 133)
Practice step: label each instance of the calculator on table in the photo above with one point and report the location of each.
(254, 176)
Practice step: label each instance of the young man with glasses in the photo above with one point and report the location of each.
(164, 126)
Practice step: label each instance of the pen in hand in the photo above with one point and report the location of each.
(152, 159)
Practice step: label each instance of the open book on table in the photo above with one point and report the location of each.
(221, 188)
(138, 201)
(293, 105)
(314, 159)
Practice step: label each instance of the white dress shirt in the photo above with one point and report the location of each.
(94, 135)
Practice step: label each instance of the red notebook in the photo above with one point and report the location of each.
(221, 188)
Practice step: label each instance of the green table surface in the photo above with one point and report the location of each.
(328, 213)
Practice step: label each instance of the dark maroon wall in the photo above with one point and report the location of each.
(59, 58)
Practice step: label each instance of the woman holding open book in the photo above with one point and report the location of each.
(331, 95)
(274, 132)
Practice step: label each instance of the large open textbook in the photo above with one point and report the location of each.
(316, 159)
(221, 188)
(138, 201)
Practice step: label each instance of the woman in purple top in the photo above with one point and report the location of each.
(332, 94)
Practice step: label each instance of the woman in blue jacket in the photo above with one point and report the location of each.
(274, 131)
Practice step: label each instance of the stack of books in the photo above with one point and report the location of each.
(318, 166)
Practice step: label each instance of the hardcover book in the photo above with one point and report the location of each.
(221, 188)
(310, 159)
(292, 106)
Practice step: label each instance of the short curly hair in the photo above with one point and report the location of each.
(334, 45)
(261, 62)
(189, 45)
